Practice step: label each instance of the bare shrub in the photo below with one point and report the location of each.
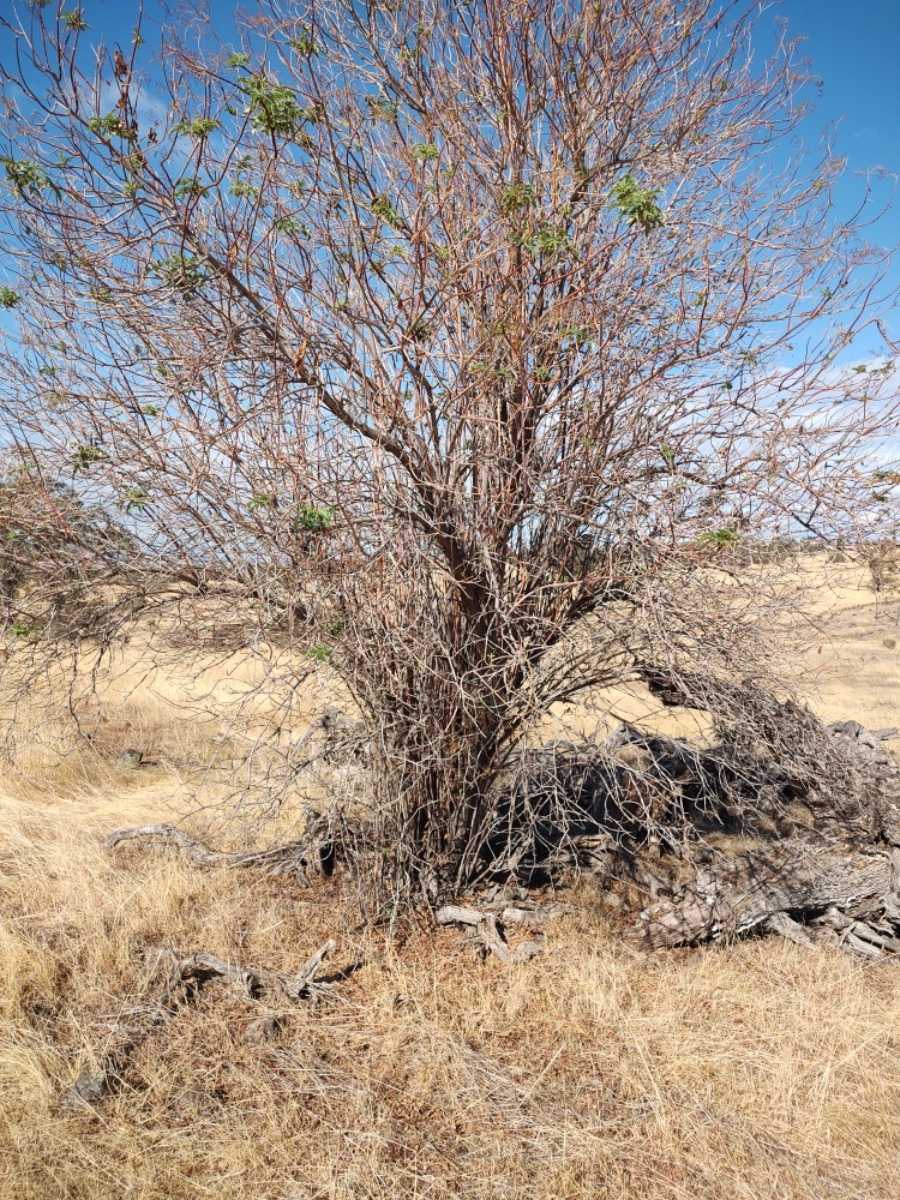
(459, 344)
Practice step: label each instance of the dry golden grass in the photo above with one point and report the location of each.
(755, 1070)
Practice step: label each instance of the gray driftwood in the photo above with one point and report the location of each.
(489, 930)
(308, 855)
(185, 978)
(773, 887)
(198, 852)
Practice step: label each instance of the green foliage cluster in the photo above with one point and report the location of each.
(637, 205)
(309, 519)
(382, 207)
(23, 176)
(84, 456)
(135, 499)
(574, 333)
(199, 127)
(74, 20)
(292, 227)
(241, 187)
(381, 109)
(189, 188)
(546, 239)
(516, 196)
(303, 43)
(9, 298)
(717, 538)
(182, 272)
(425, 151)
(111, 125)
(273, 107)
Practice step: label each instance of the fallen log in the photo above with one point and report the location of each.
(739, 894)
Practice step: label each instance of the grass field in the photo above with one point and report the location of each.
(748, 1071)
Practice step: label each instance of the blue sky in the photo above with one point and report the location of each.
(855, 49)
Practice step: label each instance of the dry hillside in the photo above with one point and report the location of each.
(594, 1070)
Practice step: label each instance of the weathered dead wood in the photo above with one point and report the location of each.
(490, 932)
(298, 986)
(185, 978)
(790, 929)
(533, 918)
(198, 852)
(452, 914)
(741, 893)
(849, 925)
(311, 854)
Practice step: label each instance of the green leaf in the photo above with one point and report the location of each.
(516, 196)
(111, 125)
(292, 227)
(243, 189)
(382, 109)
(546, 239)
(189, 187)
(717, 538)
(135, 499)
(199, 127)
(23, 176)
(303, 43)
(8, 297)
(309, 519)
(426, 151)
(182, 272)
(85, 456)
(74, 20)
(274, 108)
(382, 207)
(637, 205)
(580, 336)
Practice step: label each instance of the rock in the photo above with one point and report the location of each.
(129, 760)
(88, 1089)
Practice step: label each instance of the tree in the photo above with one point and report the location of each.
(465, 340)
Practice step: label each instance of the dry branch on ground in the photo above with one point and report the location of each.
(185, 979)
